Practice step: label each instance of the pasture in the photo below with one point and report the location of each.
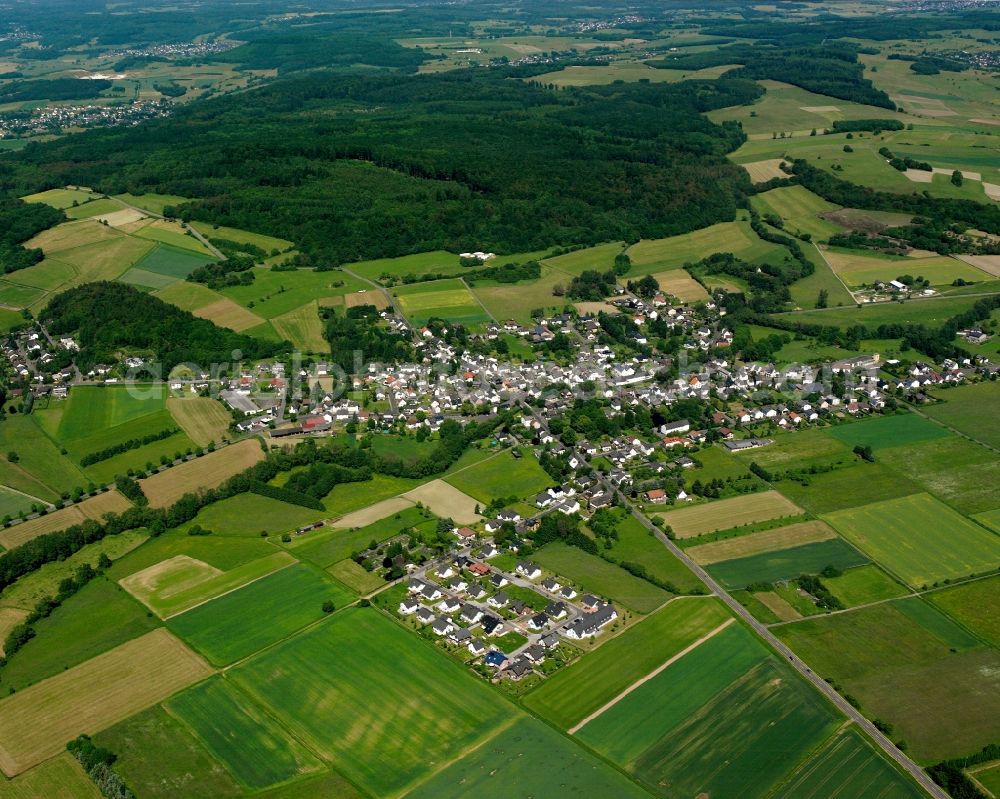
(501, 476)
(657, 255)
(60, 198)
(146, 280)
(615, 71)
(964, 409)
(355, 577)
(94, 208)
(327, 547)
(241, 735)
(166, 487)
(635, 545)
(932, 312)
(203, 419)
(277, 293)
(36, 723)
(221, 552)
(321, 684)
(172, 261)
(250, 514)
(92, 408)
(975, 605)
(800, 209)
(724, 514)
(858, 270)
(572, 693)
(179, 583)
(516, 301)
(785, 564)
(229, 628)
(59, 778)
(266, 243)
(678, 283)
(527, 758)
(347, 498)
(71, 235)
(437, 262)
(173, 235)
(226, 313)
(93, 508)
(919, 539)
(188, 296)
(597, 576)
(443, 299)
(798, 449)
(13, 502)
(805, 292)
(303, 327)
(756, 543)
(599, 259)
(849, 767)
(862, 585)
(154, 203)
(373, 513)
(42, 470)
(860, 483)
(446, 501)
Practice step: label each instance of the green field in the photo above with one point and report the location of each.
(150, 280)
(384, 707)
(222, 552)
(805, 292)
(169, 235)
(160, 758)
(919, 539)
(326, 547)
(304, 328)
(600, 258)
(848, 767)
(567, 697)
(59, 198)
(13, 502)
(800, 209)
(975, 605)
(90, 408)
(423, 263)
(634, 544)
(93, 208)
(931, 312)
(171, 261)
(442, 299)
(596, 575)
(18, 296)
(355, 577)
(502, 476)
(276, 293)
(96, 619)
(517, 300)
(347, 497)
(862, 585)
(658, 255)
(881, 432)
(251, 514)
(527, 759)
(266, 243)
(858, 484)
(188, 296)
(799, 449)
(42, 470)
(785, 564)
(58, 778)
(965, 407)
(151, 202)
(241, 735)
(230, 627)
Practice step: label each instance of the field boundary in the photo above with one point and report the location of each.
(642, 680)
(224, 593)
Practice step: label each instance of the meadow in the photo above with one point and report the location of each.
(597, 576)
(858, 484)
(273, 294)
(203, 419)
(919, 539)
(154, 203)
(726, 513)
(528, 757)
(568, 696)
(42, 470)
(355, 577)
(303, 328)
(241, 735)
(975, 606)
(657, 255)
(800, 209)
(265, 242)
(60, 198)
(862, 585)
(964, 409)
(798, 450)
(881, 432)
(428, 710)
(785, 564)
(857, 270)
(220, 552)
(172, 261)
(501, 476)
(418, 264)
(635, 545)
(326, 547)
(59, 778)
(93, 508)
(600, 258)
(932, 312)
(442, 299)
(444, 500)
(251, 514)
(174, 236)
(229, 628)
(226, 313)
(516, 301)
(615, 71)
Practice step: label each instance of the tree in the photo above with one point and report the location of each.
(13, 457)
(821, 300)
(956, 177)
(328, 606)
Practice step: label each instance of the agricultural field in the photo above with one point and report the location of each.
(919, 539)
(36, 723)
(325, 699)
(678, 283)
(527, 757)
(172, 261)
(267, 243)
(41, 471)
(188, 296)
(502, 476)
(858, 484)
(166, 487)
(355, 577)
(437, 262)
(857, 269)
(599, 259)
(274, 294)
(882, 432)
(444, 500)
(154, 203)
(241, 735)
(516, 301)
(346, 498)
(726, 513)
(303, 328)
(862, 585)
(798, 449)
(59, 778)
(659, 255)
(932, 312)
(785, 564)
(571, 694)
(597, 576)
(756, 543)
(635, 545)
(221, 552)
(226, 313)
(250, 514)
(975, 605)
(615, 71)
(203, 419)
(800, 209)
(173, 235)
(229, 628)
(442, 299)
(60, 198)
(964, 409)
(373, 513)
(94, 508)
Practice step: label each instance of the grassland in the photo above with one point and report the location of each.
(326, 547)
(229, 628)
(600, 258)
(798, 450)
(766, 541)
(597, 576)
(785, 564)
(635, 545)
(151, 202)
(165, 488)
(881, 432)
(863, 585)
(179, 583)
(13, 502)
(502, 476)
(726, 513)
(442, 299)
(572, 693)
(203, 419)
(59, 198)
(437, 262)
(349, 497)
(226, 313)
(173, 235)
(625, 71)
(266, 243)
(223, 553)
(444, 500)
(527, 758)
(94, 208)
(517, 301)
(964, 409)
(931, 312)
(800, 209)
(42, 470)
(159, 758)
(188, 296)
(355, 577)
(303, 328)
(321, 686)
(919, 539)
(241, 735)
(277, 293)
(59, 778)
(658, 255)
(172, 261)
(36, 723)
(857, 269)
(252, 514)
(678, 283)
(93, 508)
(848, 767)
(859, 484)
(975, 605)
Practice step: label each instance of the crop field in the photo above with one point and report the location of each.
(93, 408)
(658, 255)
(13, 502)
(599, 577)
(149, 280)
(635, 545)
(326, 547)
(889, 431)
(857, 270)
(96, 619)
(678, 283)
(93, 508)
(159, 758)
(276, 293)
(848, 767)
(862, 585)
(975, 605)
(151, 202)
(226, 313)
(805, 292)
(173, 235)
(59, 198)
(726, 513)
(181, 582)
(172, 261)
(568, 696)
(93, 208)
(626, 71)
(104, 433)
(355, 577)
(166, 487)
(303, 328)
(18, 296)
(139, 459)
(266, 243)
(784, 564)
(224, 553)
(763, 171)
(797, 450)
(444, 500)
(859, 484)
(756, 543)
(105, 260)
(423, 263)
(203, 419)
(188, 296)
(964, 409)
(238, 732)
(346, 498)
(229, 628)
(250, 514)
(71, 235)
(59, 778)
(502, 476)
(919, 539)
(444, 299)
(517, 301)
(36, 723)
(320, 685)
(373, 513)
(800, 209)
(600, 259)
(42, 470)
(527, 758)
(932, 312)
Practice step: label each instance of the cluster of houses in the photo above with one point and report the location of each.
(32, 356)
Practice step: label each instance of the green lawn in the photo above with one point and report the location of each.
(232, 626)
(882, 432)
(502, 476)
(241, 735)
(596, 575)
(919, 539)
(785, 564)
(572, 693)
(383, 706)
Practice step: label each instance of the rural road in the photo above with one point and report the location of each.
(773, 641)
(187, 227)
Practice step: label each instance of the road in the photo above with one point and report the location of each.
(774, 642)
(146, 212)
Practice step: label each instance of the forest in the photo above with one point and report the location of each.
(20, 221)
